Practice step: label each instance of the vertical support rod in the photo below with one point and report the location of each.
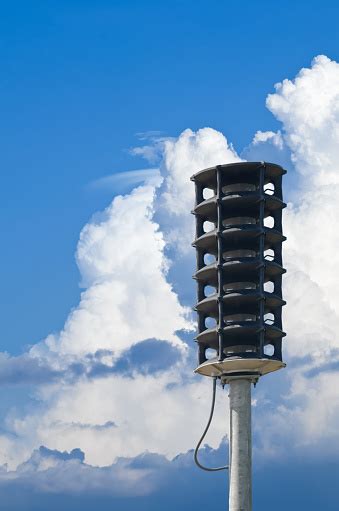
(199, 231)
(262, 260)
(220, 290)
(240, 476)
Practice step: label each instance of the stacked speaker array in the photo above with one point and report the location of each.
(238, 244)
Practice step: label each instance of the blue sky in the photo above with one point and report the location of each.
(91, 90)
(81, 79)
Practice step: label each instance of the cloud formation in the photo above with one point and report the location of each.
(127, 298)
(120, 372)
(127, 301)
(52, 479)
(120, 181)
(308, 107)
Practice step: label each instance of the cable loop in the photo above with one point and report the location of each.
(213, 469)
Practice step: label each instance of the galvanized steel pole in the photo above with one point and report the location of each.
(240, 472)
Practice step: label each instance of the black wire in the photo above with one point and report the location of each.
(216, 469)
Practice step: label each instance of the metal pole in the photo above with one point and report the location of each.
(240, 476)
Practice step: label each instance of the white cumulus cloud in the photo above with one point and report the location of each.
(129, 298)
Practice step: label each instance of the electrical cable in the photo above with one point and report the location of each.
(216, 469)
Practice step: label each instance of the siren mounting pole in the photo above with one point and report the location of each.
(240, 445)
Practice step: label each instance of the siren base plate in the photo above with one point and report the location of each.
(238, 365)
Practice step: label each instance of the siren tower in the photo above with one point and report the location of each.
(238, 244)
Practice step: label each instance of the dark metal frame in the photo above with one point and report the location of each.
(238, 210)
